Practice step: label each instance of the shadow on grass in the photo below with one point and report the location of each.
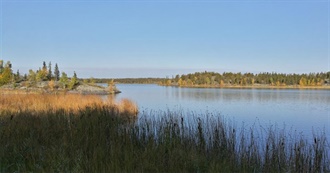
(100, 139)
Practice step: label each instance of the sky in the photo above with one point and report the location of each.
(162, 38)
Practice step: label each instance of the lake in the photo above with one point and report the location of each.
(300, 110)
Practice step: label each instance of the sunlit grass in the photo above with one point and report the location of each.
(35, 103)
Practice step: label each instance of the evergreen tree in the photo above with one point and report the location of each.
(1, 66)
(56, 73)
(44, 67)
(18, 76)
(75, 75)
(50, 71)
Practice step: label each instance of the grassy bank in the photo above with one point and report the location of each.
(96, 136)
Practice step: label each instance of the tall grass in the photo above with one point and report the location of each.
(98, 138)
(35, 103)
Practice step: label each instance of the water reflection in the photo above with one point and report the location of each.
(260, 95)
(303, 110)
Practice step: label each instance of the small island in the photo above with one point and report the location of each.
(44, 80)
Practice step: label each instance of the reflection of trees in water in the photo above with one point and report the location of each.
(206, 94)
(193, 93)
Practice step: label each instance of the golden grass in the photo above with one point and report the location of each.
(14, 103)
(127, 106)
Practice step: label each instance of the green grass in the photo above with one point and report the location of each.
(98, 139)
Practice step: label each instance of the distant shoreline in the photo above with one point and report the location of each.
(324, 87)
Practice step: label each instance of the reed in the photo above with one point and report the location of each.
(35, 103)
(94, 136)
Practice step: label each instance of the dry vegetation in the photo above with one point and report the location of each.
(74, 103)
(77, 133)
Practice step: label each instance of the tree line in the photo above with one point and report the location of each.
(55, 78)
(43, 74)
(246, 79)
(127, 80)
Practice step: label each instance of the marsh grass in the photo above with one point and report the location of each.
(98, 137)
(35, 103)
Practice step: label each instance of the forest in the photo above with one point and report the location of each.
(207, 79)
(128, 80)
(248, 79)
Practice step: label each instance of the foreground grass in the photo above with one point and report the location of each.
(100, 138)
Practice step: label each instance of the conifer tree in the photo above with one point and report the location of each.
(56, 73)
(44, 67)
(18, 76)
(1, 66)
(49, 76)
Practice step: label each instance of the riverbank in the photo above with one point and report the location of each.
(256, 86)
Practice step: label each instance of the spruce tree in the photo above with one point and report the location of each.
(49, 75)
(44, 67)
(1, 66)
(18, 76)
(75, 75)
(56, 73)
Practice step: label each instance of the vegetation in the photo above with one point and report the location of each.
(44, 74)
(64, 81)
(74, 81)
(227, 79)
(40, 103)
(130, 80)
(56, 73)
(198, 79)
(6, 75)
(75, 133)
(213, 79)
(45, 81)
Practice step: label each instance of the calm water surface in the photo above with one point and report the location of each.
(301, 110)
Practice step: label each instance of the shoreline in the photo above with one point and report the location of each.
(40, 91)
(324, 87)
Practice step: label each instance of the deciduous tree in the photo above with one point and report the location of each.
(302, 81)
(74, 81)
(6, 75)
(32, 77)
(64, 80)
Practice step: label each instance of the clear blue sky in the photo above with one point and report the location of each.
(162, 38)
